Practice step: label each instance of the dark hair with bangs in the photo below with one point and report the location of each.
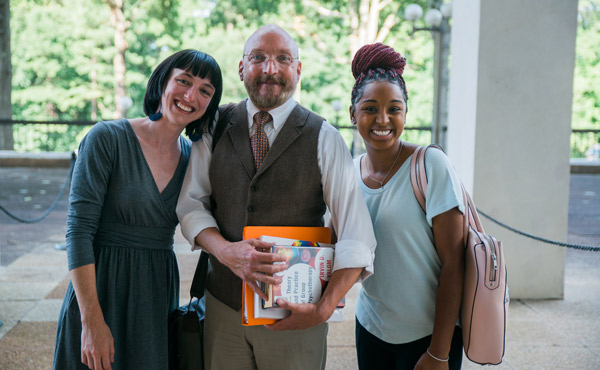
(197, 63)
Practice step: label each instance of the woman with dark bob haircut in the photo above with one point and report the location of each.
(121, 222)
(198, 64)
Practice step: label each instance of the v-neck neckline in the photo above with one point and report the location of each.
(391, 179)
(147, 166)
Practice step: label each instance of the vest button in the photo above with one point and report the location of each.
(250, 208)
(253, 188)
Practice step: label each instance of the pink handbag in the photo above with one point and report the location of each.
(484, 306)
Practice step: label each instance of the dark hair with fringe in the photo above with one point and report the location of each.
(377, 62)
(198, 64)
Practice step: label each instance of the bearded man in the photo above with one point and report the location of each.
(276, 164)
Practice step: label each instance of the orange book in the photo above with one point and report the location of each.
(314, 234)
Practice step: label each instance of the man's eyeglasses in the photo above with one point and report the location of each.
(261, 59)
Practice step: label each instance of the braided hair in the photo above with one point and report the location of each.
(377, 62)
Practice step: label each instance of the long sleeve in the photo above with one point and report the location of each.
(350, 218)
(88, 189)
(193, 207)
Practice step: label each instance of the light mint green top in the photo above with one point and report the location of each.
(397, 303)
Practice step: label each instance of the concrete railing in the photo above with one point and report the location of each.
(583, 165)
(9, 158)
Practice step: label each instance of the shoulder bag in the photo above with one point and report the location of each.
(485, 300)
(186, 325)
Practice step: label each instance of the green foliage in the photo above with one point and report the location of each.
(324, 51)
(58, 46)
(586, 86)
(48, 138)
(586, 102)
(52, 49)
(64, 44)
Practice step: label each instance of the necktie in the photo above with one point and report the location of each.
(259, 141)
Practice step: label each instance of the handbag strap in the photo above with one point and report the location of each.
(419, 183)
(418, 179)
(199, 280)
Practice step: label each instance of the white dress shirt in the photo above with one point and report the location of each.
(341, 191)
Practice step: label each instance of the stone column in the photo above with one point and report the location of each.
(511, 85)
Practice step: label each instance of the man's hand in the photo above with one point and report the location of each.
(247, 258)
(307, 315)
(251, 261)
(304, 316)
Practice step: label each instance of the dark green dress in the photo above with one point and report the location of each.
(119, 221)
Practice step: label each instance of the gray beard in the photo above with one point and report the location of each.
(269, 100)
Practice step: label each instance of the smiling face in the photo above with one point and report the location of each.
(185, 97)
(270, 83)
(380, 115)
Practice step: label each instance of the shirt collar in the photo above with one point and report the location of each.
(279, 114)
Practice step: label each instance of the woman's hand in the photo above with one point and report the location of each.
(426, 362)
(97, 345)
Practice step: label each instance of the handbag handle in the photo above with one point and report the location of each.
(199, 280)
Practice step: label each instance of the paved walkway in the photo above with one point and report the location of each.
(542, 334)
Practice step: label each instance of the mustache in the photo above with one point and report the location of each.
(271, 80)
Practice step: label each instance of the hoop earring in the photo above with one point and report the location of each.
(155, 116)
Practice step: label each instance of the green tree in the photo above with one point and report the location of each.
(65, 60)
(586, 89)
(73, 68)
(66, 55)
(55, 60)
(321, 29)
(72, 61)
(6, 133)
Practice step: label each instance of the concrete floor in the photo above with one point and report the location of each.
(542, 334)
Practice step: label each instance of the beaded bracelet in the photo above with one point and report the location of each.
(437, 358)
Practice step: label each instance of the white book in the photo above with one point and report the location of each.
(303, 280)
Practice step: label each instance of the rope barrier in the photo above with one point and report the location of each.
(540, 239)
(60, 194)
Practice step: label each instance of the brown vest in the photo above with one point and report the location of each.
(285, 191)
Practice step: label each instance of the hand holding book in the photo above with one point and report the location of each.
(249, 261)
(253, 312)
(303, 316)
(310, 267)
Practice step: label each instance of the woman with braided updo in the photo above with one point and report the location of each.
(407, 312)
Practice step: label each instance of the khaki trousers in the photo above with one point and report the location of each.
(230, 346)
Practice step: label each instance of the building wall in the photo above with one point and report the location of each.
(511, 84)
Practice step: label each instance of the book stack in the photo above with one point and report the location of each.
(310, 264)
